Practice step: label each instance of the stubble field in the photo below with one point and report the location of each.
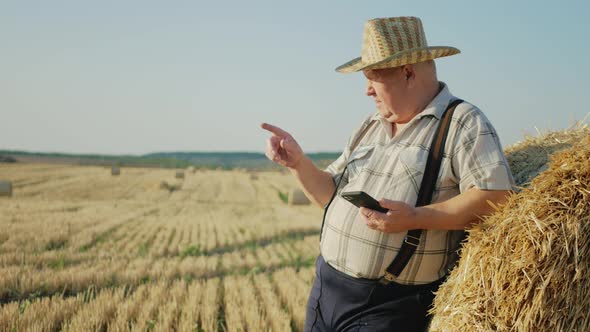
(81, 250)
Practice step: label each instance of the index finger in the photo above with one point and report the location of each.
(274, 129)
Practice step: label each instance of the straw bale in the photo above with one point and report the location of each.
(7, 159)
(179, 174)
(164, 185)
(527, 267)
(5, 188)
(529, 158)
(171, 187)
(297, 197)
(253, 176)
(115, 170)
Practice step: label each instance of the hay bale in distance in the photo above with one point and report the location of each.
(179, 174)
(529, 158)
(5, 188)
(7, 159)
(169, 187)
(253, 176)
(115, 170)
(297, 197)
(527, 267)
(164, 185)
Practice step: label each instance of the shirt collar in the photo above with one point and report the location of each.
(439, 104)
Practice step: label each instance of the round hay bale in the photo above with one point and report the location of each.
(529, 158)
(164, 185)
(7, 159)
(297, 197)
(527, 267)
(170, 187)
(179, 174)
(5, 188)
(253, 176)
(115, 170)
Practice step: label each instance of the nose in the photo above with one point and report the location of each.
(370, 91)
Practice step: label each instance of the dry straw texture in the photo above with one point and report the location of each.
(83, 251)
(526, 268)
(530, 157)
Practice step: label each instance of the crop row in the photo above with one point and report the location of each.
(253, 302)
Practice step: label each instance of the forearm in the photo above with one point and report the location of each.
(317, 184)
(459, 212)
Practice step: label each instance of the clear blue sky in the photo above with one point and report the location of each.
(143, 76)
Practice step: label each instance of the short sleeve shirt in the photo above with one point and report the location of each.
(392, 168)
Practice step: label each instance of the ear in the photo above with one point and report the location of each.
(408, 71)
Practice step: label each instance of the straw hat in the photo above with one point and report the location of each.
(393, 42)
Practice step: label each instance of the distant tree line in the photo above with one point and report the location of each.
(207, 160)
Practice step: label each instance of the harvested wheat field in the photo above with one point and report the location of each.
(82, 250)
(526, 268)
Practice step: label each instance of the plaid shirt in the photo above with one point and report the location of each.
(393, 168)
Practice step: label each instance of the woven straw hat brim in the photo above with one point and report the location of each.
(407, 57)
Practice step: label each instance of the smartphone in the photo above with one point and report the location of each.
(362, 199)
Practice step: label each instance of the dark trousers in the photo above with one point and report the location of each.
(339, 302)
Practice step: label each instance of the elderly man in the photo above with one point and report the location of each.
(377, 270)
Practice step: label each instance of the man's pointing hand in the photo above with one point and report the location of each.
(281, 147)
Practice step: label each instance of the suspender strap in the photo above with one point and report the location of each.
(412, 239)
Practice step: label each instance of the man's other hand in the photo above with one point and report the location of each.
(400, 217)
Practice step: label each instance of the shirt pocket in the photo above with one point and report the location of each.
(413, 160)
(407, 174)
(358, 160)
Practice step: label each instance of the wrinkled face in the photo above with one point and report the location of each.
(389, 89)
